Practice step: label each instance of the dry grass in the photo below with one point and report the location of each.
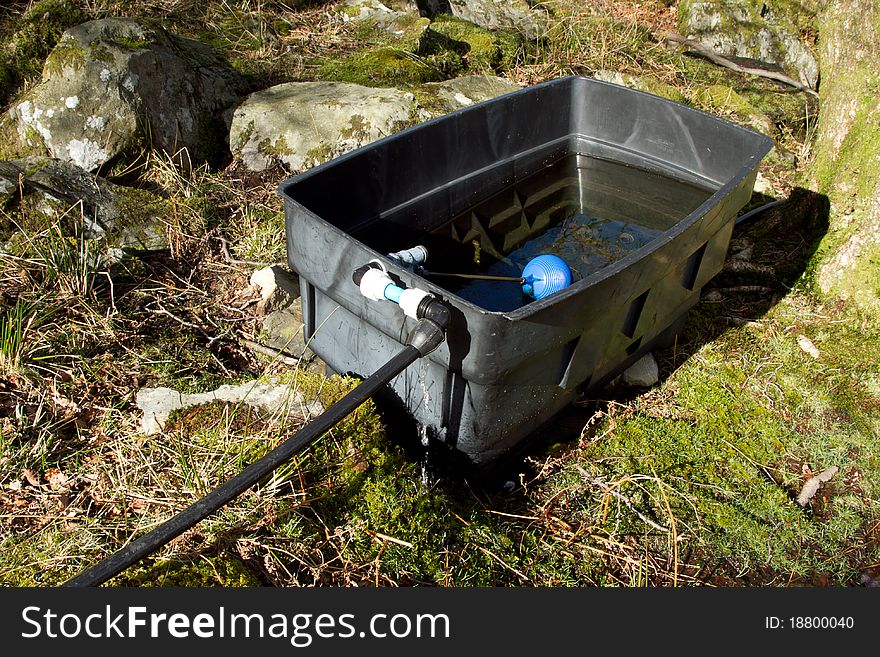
(690, 483)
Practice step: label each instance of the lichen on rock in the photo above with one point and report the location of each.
(300, 124)
(528, 18)
(753, 29)
(113, 86)
(438, 98)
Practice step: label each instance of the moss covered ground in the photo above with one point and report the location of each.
(691, 482)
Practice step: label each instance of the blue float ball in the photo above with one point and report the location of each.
(545, 275)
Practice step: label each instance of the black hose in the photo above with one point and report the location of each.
(170, 529)
(761, 209)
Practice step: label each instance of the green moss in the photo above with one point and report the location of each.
(380, 67)
(844, 164)
(26, 561)
(130, 43)
(481, 50)
(658, 88)
(66, 55)
(274, 150)
(11, 147)
(862, 282)
(844, 170)
(226, 571)
(428, 99)
(448, 48)
(100, 52)
(730, 447)
(33, 37)
(723, 100)
(8, 77)
(140, 226)
(323, 152)
(358, 128)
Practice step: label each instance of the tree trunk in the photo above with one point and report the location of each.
(846, 164)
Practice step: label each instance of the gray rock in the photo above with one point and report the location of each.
(9, 174)
(375, 10)
(123, 218)
(402, 23)
(644, 372)
(301, 124)
(750, 29)
(278, 288)
(114, 85)
(517, 15)
(280, 307)
(157, 404)
(283, 330)
(450, 95)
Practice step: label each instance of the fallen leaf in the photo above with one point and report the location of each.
(807, 346)
(56, 479)
(813, 483)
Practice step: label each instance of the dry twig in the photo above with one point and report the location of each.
(715, 58)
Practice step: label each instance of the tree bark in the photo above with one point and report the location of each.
(846, 163)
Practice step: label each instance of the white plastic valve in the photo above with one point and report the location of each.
(373, 284)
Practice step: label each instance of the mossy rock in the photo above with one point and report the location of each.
(112, 87)
(437, 98)
(300, 124)
(53, 194)
(381, 67)
(753, 29)
(481, 50)
(404, 30)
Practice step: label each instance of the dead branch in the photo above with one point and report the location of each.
(282, 356)
(715, 58)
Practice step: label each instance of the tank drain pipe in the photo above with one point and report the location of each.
(433, 319)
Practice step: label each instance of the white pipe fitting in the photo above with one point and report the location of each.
(410, 300)
(374, 282)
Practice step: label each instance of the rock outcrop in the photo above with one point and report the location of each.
(114, 86)
(516, 15)
(59, 192)
(300, 124)
(752, 30)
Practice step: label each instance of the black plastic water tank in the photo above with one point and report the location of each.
(476, 185)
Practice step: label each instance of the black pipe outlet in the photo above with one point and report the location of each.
(358, 273)
(436, 311)
(429, 333)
